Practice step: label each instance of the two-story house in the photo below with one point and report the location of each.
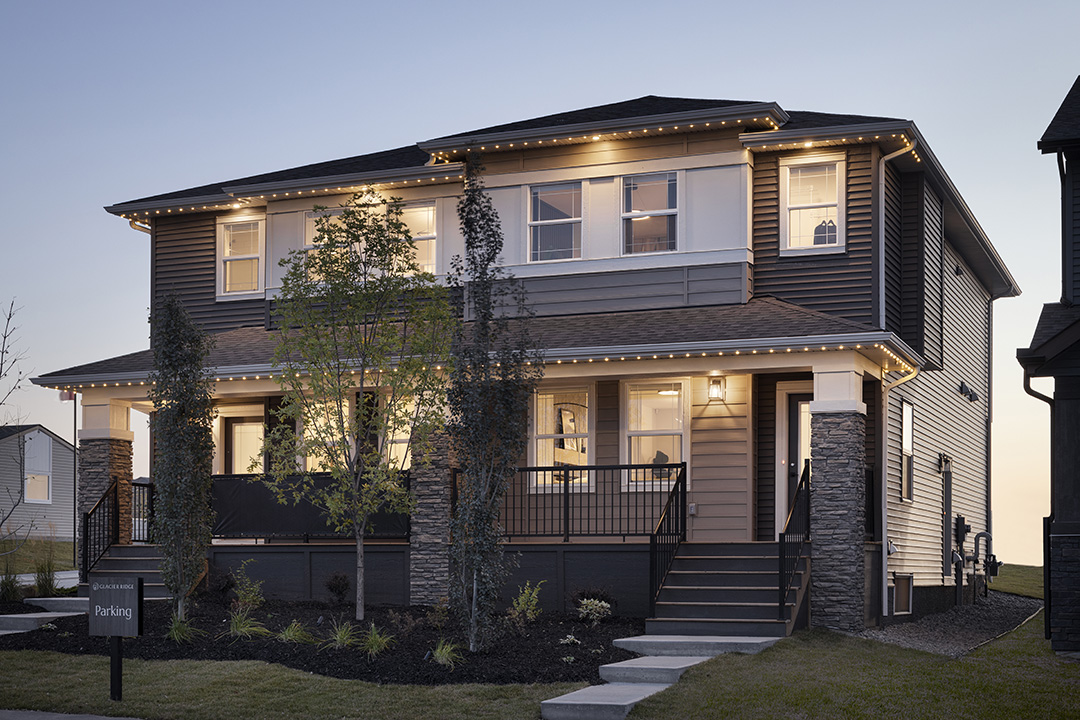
(723, 290)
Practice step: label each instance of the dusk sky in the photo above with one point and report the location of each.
(105, 102)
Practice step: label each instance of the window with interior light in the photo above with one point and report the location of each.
(561, 438)
(907, 451)
(654, 428)
(555, 222)
(241, 246)
(650, 213)
(37, 467)
(418, 217)
(812, 203)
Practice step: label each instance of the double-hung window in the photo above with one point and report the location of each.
(241, 245)
(650, 213)
(812, 203)
(37, 461)
(420, 219)
(907, 450)
(561, 438)
(555, 222)
(655, 419)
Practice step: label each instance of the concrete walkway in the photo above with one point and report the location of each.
(666, 658)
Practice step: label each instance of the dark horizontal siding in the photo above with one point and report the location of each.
(838, 284)
(183, 262)
(1072, 242)
(933, 268)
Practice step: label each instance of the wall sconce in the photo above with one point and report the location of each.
(967, 392)
(893, 548)
(717, 388)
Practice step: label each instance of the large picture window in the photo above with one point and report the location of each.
(555, 222)
(240, 253)
(812, 213)
(561, 437)
(655, 419)
(650, 213)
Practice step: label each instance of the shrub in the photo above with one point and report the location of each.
(526, 606)
(242, 625)
(181, 631)
(342, 635)
(403, 622)
(374, 642)
(296, 633)
(446, 653)
(338, 585)
(45, 577)
(594, 592)
(593, 611)
(248, 592)
(9, 584)
(569, 640)
(439, 613)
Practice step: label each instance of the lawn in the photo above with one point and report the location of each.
(820, 674)
(1020, 580)
(34, 551)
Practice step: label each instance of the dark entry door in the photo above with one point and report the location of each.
(798, 438)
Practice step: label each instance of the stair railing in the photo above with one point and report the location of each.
(669, 532)
(794, 537)
(101, 529)
(142, 511)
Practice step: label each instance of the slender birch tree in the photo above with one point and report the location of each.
(363, 341)
(495, 372)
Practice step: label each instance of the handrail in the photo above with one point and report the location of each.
(142, 511)
(101, 529)
(669, 532)
(793, 538)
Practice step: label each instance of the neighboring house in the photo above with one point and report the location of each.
(723, 290)
(36, 478)
(1055, 352)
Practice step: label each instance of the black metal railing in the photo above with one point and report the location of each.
(244, 507)
(794, 537)
(101, 529)
(589, 501)
(142, 511)
(664, 541)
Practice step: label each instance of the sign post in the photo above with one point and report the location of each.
(116, 613)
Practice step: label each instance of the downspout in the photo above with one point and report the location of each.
(141, 228)
(885, 487)
(1047, 597)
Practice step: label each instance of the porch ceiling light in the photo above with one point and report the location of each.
(717, 388)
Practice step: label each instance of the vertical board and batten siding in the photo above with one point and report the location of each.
(721, 461)
(894, 249)
(184, 262)
(638, 289)
(923, 249)
(838, 284)
(945, 422)
(1071, 259)
(53, 519)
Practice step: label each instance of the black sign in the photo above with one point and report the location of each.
(116, 606)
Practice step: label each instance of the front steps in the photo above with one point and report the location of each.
(727, 589)
(131, 561)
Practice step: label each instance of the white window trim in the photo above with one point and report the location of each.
(840, 159)
(590, 435)
(680, 202)
(662, 485)
(48, 481)
(530, 223)
(433, 237)
(219, 270)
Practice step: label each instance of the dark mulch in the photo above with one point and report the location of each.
(530, 654)
(18, 608)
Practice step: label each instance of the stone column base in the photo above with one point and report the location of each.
(429, 536)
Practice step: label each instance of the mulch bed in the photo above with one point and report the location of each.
(529, 654)
(18, 608)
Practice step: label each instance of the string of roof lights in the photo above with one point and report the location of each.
(898, 363)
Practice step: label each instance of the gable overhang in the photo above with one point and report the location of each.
(961, 227)
(753, 116)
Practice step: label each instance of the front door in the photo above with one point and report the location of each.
(792, 443)
(243, 442)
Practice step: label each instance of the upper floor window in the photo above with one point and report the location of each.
(37, 462)
(812, 203)
(555, 222)
(241, 247)
(420, 219)
(650, 213)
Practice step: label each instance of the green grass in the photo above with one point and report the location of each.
(819, 674)
(1020, 580)
(33, 551)
(199, 690)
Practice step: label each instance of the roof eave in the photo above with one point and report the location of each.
(433, 174)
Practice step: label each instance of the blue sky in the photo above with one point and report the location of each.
(109, 101)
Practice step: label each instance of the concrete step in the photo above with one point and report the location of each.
(699, 626)
(599, 702)
(31, 621)
(720, 610)
(61, 604)
(754, 549)
(663, 669)
(136, 550)
(721, 594)
(721, 578)
(694, 645)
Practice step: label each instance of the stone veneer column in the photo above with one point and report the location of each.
(429, 537)
(101, 462)
(837, 520)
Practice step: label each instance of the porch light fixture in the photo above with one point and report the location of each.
(717, 388)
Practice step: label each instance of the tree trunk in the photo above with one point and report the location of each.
(474, 617)
(359, 535)
(181, 608)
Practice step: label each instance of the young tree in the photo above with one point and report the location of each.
(364, 335)
(182, 391)
(11, 378)
(495, 372)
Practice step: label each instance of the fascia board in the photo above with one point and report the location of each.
(438, 173)
(830, 132)
(173, 204)
(772, 110)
